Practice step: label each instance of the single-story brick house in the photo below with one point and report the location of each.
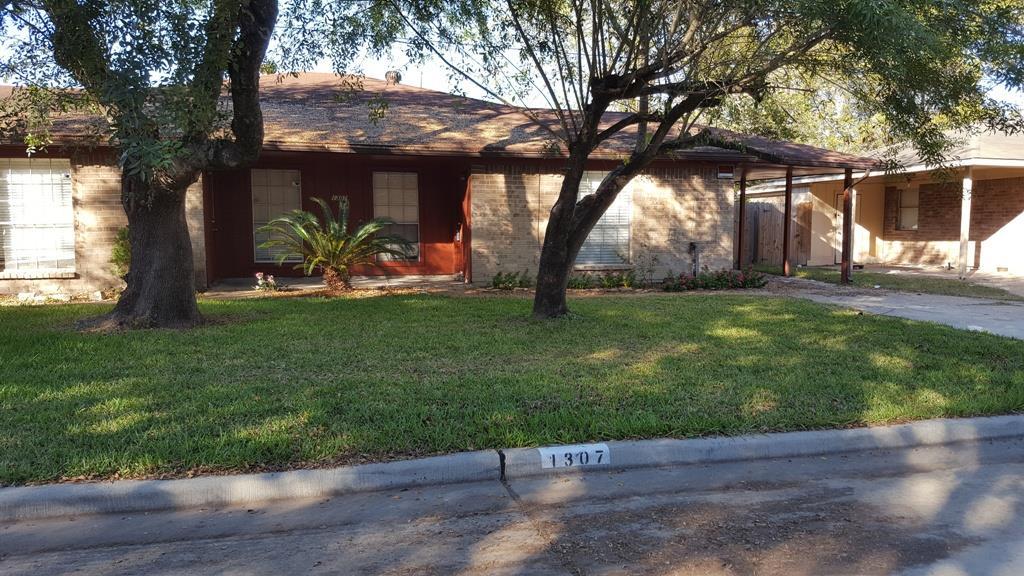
(917, 217)
(469, 182)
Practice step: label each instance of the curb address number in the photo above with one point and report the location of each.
(574, 455)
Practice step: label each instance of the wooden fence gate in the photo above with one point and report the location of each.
(764, 230)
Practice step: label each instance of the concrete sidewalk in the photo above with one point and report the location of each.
(951, 510)
(1005, 318)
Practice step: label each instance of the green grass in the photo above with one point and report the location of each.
(902, 282)
(273, 383)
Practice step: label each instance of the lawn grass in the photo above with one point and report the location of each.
(273, 383)
(902, 282)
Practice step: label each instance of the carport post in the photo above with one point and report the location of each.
(787, 221)
(965, 221)
(743, 217)
(846, 268)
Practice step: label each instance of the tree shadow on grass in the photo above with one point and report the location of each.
(325, 382)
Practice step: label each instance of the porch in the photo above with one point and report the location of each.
(967, 222)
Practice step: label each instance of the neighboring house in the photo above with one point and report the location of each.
(469, 182)
(911, 218)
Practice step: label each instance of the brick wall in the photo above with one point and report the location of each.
(96, 197)
(937, 238)
(672, 206)
(997, 225)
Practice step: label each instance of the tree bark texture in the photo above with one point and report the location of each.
(161, 276)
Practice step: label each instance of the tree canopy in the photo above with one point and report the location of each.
(676, 65)
(157, 69)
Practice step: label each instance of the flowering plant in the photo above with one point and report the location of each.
(266, 282)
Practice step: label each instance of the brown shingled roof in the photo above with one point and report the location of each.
(315, 111)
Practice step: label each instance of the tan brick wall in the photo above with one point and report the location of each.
(194, 216)
(675, 206)
(671, 208)
(96, 197)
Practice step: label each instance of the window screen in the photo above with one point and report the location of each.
(909, 203)
(396, 196)
(274, 192)
(608, 242)
(37, 230)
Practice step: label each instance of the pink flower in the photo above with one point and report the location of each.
(259, 275)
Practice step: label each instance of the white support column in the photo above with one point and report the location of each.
(965, 222)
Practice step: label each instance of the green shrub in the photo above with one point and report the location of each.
(715, 280)
(582, 281)
(512, 280)
(608, 280)
(121, 253)
(619, 279)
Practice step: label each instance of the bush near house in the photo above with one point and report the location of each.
(578, 281)
(512, 280)
(121, 253)
(609, 280)
(325, 243)
(716, 280)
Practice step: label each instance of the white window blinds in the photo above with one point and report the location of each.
(608, 242)
(909, 203)
(396, 196)
(274, 192)
(37, 229)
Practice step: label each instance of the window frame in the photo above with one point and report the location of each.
(64, 221)
(252, 199)
(394, 260)
(625, 195)
(900, 207)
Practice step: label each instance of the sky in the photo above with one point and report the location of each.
(434, 75)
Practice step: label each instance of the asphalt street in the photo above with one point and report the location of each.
(939, 510)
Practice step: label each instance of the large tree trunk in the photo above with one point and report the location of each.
(161, 277)
(552, 281)
(558, 254)
(568, 227)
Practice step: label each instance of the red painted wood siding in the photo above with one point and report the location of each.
(442, 184)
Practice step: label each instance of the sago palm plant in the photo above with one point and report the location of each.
(325, 243)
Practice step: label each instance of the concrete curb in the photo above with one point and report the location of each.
(54, 500)
(127, 496)
(524, 462)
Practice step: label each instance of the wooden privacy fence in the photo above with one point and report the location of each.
(763, 234)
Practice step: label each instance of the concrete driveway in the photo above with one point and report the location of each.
(993, 316)
(1005, 318)
(1012, 283)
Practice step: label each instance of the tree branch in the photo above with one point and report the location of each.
(255, 25)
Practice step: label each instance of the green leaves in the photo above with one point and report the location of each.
(153, 70)
(325, 243)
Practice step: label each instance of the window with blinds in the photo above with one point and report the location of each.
(608, 243)
(37, 227)
(909, 206)
(396, 196)
(274, 192)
